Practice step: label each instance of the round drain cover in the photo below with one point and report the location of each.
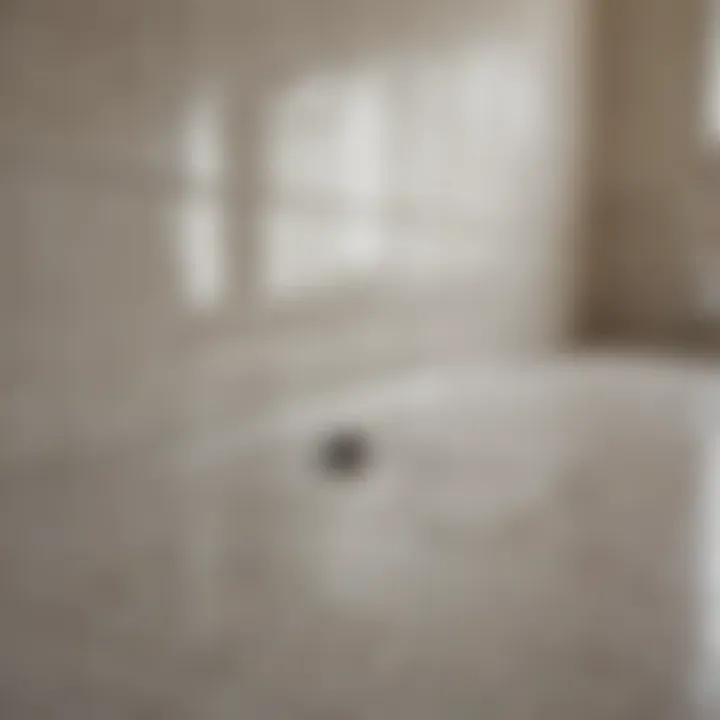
(345, 452)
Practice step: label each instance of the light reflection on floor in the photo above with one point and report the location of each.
(707, 681)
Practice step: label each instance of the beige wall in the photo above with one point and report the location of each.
(128, 129)
(646, 226)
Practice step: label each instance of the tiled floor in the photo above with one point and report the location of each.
(526, 543)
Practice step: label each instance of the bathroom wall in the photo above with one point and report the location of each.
(650, 224)
(207, 198)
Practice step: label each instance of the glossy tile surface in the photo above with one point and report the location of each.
(177, 175)
(228, 228)
(527, 542)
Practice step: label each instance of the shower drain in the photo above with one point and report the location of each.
(345, 453)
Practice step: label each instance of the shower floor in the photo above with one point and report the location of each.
(523, 542)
